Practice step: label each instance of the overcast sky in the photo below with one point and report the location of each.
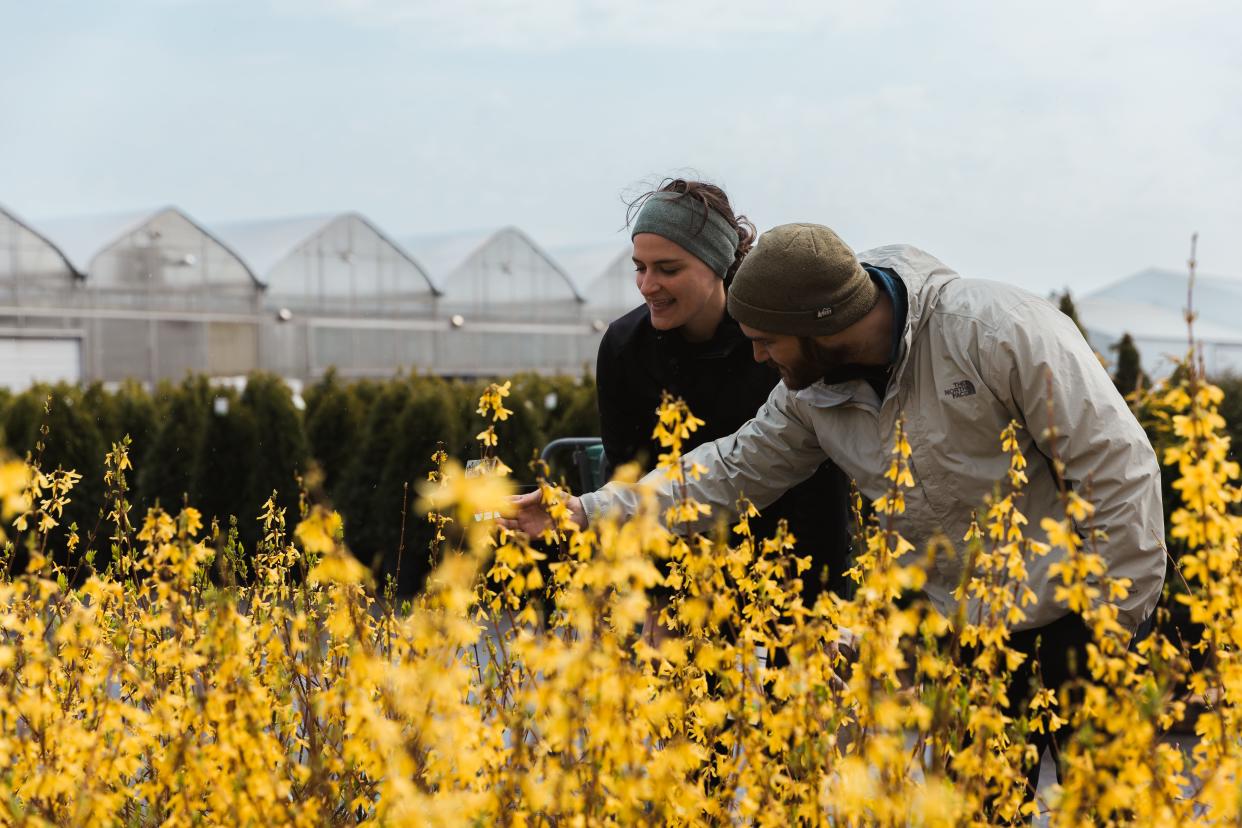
(1045, 143)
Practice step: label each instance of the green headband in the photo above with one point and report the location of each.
(680, 219)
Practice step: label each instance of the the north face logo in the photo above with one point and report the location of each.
(961, 388)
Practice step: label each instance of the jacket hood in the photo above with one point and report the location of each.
(924, 276)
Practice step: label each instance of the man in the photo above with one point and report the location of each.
(861, 340)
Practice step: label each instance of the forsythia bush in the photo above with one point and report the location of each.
(186, 685)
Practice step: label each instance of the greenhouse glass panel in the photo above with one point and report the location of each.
(168, 251)
(283, 349)
(232, 348)
(604, 274)
(332, 348)
(417, 350)
(181, 348)
(28, 259)
(337, 264)
(125, 348)
(496, 275)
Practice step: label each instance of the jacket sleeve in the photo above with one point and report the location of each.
(770, 454)
(1107, 456)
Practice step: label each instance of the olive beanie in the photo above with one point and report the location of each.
(801, 280)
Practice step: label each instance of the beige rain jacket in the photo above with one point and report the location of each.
(975, 355)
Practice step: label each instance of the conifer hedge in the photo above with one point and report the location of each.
(355, 443)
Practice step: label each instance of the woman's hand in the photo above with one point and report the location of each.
(531, 516)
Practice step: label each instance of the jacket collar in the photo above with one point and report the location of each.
(923, 274)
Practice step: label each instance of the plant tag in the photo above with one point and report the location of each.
(478, 468)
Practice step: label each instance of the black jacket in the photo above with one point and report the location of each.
(724, 386)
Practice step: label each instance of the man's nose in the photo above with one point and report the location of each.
(761, 353)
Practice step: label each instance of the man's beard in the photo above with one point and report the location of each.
(818, 363)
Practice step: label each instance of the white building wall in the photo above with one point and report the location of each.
(26, 359)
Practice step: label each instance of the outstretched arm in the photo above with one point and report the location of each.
(770, 454)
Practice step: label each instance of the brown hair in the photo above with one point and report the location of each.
(713, 198)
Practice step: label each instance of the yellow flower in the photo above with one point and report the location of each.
(321, 531)
(338, 566)
(15, 479)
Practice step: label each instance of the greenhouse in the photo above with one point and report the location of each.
(509, 304)
(156, 294)
(35, 274)
(499, 273)
(1148, 306)
(339, 293)
(153, 295)
(605, 275)
(334, 263)
(159, 256)
(30, 264)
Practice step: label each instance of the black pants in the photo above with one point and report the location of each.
(1059, 651)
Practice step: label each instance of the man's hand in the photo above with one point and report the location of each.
(531, 516)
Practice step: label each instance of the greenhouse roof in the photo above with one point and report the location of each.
(264, 243)
(1144, 320)
(586, 263)
(444, 254)
(1217, 299)
(81, 238)
(15, 218)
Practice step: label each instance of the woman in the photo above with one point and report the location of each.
(687, 245)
